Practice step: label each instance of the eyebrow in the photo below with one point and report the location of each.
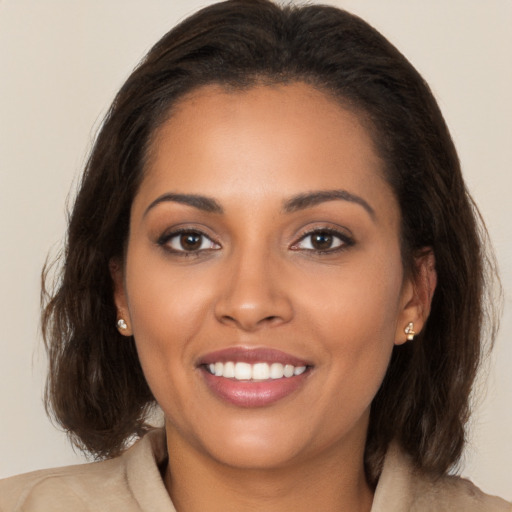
(295, 203)
(206, 204)
(310, 199)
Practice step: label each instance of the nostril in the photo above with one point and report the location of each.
(251, 322)
(252, 311)
(270, 318)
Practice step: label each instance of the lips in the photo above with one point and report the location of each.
(247, 377)
(252, 355)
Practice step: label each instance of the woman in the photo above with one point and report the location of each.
(273, 242)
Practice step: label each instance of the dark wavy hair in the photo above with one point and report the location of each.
(96, 389)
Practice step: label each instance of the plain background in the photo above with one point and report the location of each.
(62, 61)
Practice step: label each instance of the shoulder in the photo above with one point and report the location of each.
(105, 485)
(455, 493)
(73, 485)
(401, 488)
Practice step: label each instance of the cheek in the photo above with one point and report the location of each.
(167, 311)
(164, 299)
(361, 299)
(355, 315)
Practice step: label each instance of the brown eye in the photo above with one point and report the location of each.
(322, 241)
(188, 241)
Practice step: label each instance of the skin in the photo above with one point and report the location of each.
(257, 281)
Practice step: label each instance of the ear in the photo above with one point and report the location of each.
(120, 299)
(417, 292)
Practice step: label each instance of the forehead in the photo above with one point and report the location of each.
(269, 140)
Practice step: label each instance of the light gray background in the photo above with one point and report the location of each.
(62, 61)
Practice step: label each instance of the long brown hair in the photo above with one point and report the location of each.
(96, 389)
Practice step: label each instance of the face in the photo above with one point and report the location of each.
(263, 280)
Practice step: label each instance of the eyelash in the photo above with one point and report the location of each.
(344, 242)
(166, 238)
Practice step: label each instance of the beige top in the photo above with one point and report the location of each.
(132, 482)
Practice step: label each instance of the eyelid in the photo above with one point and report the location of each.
(346, 239)
(164, 239)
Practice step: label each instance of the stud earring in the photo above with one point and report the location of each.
(409, 330)
(122, 324)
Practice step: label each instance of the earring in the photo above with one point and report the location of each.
(409, 330)
(122, 324)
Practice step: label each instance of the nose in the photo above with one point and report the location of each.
(253, 294)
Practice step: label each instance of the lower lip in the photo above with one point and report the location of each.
(253, 393)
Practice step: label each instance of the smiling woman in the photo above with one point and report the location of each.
(273, 242)
(246, 286)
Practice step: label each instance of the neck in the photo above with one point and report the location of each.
(329, 482)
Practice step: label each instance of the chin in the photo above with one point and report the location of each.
(255, 456)
(253, 445)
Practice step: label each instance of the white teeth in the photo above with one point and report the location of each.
(243, 371)
(257, 371)
(260, 371)
(219, 367)
(298, 370)
(276, 371)
(288, 370)
(229, 370)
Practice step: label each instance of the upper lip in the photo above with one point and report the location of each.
(251, 355)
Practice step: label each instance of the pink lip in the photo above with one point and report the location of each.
(253, 394)
(250, 393)
(251, 355)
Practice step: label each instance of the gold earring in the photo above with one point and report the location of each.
(121, 324)
(409, 330)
